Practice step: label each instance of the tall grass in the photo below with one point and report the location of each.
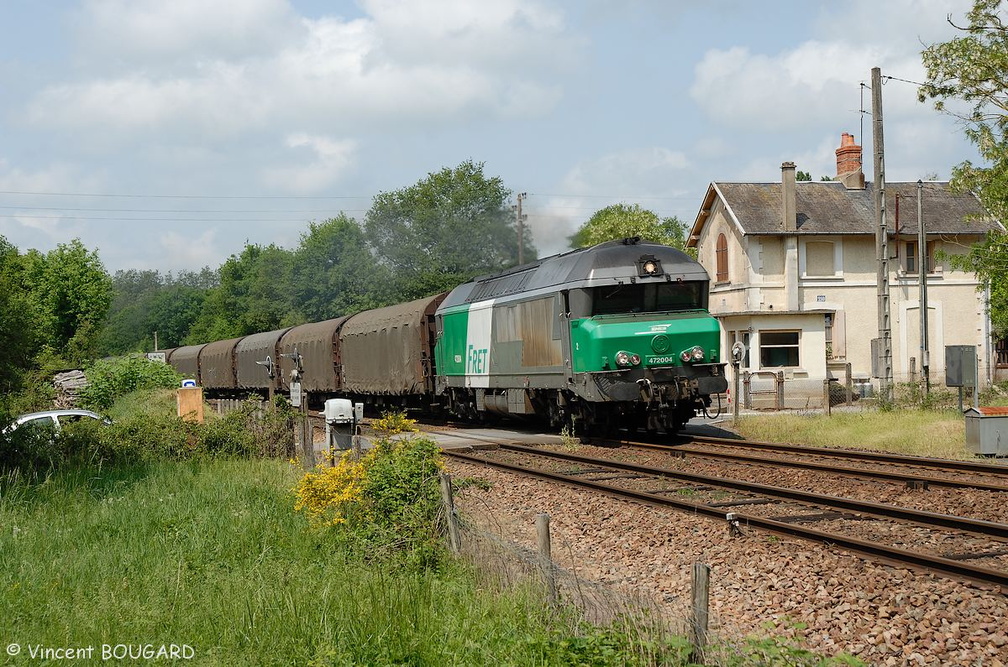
(211, 554)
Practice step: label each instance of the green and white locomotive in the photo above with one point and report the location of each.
(599, 338)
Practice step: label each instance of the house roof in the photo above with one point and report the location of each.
(829, 207)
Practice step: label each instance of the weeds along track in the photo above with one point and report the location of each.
(850, 517)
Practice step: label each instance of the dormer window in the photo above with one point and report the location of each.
(721, 255)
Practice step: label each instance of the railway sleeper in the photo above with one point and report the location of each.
(744, 501)
(977, 556)
(818, 516)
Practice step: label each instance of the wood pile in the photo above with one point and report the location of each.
(68, 386)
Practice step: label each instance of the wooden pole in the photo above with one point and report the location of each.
(546, 558)
(454, 538)
(307, 444)
(700, 616)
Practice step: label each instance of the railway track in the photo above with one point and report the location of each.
(917, 472)
(990, 536)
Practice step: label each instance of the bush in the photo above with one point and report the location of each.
(394, 423)
(110, 379)
(387, 505)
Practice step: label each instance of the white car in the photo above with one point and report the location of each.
(53, 419)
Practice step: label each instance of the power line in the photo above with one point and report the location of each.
(161, 210)
(97, 194)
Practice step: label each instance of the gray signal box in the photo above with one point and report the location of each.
(960, 366)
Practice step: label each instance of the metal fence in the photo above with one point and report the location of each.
(776, 390)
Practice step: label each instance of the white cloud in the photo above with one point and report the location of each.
(651, 177)
(186, 252)
(150, 31)
(330, 160)
(213, 74)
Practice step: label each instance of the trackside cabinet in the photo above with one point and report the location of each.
(987, 431)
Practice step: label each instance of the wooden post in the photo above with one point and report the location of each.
(546, 558)
(454, 538)
(307, 444)
(700, 615)
(849, 383)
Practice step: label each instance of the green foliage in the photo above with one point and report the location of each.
(334, 273)
(803, 175)
(209, 553)
(387, 506)
(254, 295)
(110, 379)
(18, 319)
(454, 223)
(772, 651)
(967, 77)
(615, 645)
(622, 221)
(72, 293)
(146, 302)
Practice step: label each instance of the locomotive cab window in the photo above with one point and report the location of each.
(649, 298)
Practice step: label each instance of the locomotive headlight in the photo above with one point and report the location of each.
(623, 359)
(635, 359)
(693, 354)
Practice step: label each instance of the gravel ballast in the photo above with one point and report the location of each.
(812, 595)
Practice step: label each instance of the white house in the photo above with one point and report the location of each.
(794, 272)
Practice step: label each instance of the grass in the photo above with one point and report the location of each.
(921, 432)
(211, 555)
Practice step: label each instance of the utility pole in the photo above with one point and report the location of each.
(922, 273)
(520, 221)
(881, 243)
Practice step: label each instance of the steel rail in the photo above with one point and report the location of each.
(823, 467)
(929, 519)
(899, 557)
(881, 457)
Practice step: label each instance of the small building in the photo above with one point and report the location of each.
(794, 272)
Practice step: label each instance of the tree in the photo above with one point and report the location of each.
(621, 221)
(73, 293)
(803, 175)
(443, 230)
(334, 273)
(146, 303)
(18, 317)
(254, 295)
(973, 68)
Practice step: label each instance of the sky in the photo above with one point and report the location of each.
(168, 134)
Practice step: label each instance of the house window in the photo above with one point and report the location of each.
(721, 254)
(911, 257)
(779, 349)
(819, 259)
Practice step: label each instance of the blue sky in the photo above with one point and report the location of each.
(167, 134)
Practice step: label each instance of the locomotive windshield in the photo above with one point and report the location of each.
(649, 298)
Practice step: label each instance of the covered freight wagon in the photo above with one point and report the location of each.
(318, 345)
(389, 351)
(186, 361)
(217, 366)
(260, 347)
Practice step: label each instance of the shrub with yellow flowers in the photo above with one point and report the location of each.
(389, 499)
(393, 423)
(328, 494)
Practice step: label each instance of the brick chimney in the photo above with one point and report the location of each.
(848, 163)
(789, 204)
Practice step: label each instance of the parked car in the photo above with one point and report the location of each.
(52, 419)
